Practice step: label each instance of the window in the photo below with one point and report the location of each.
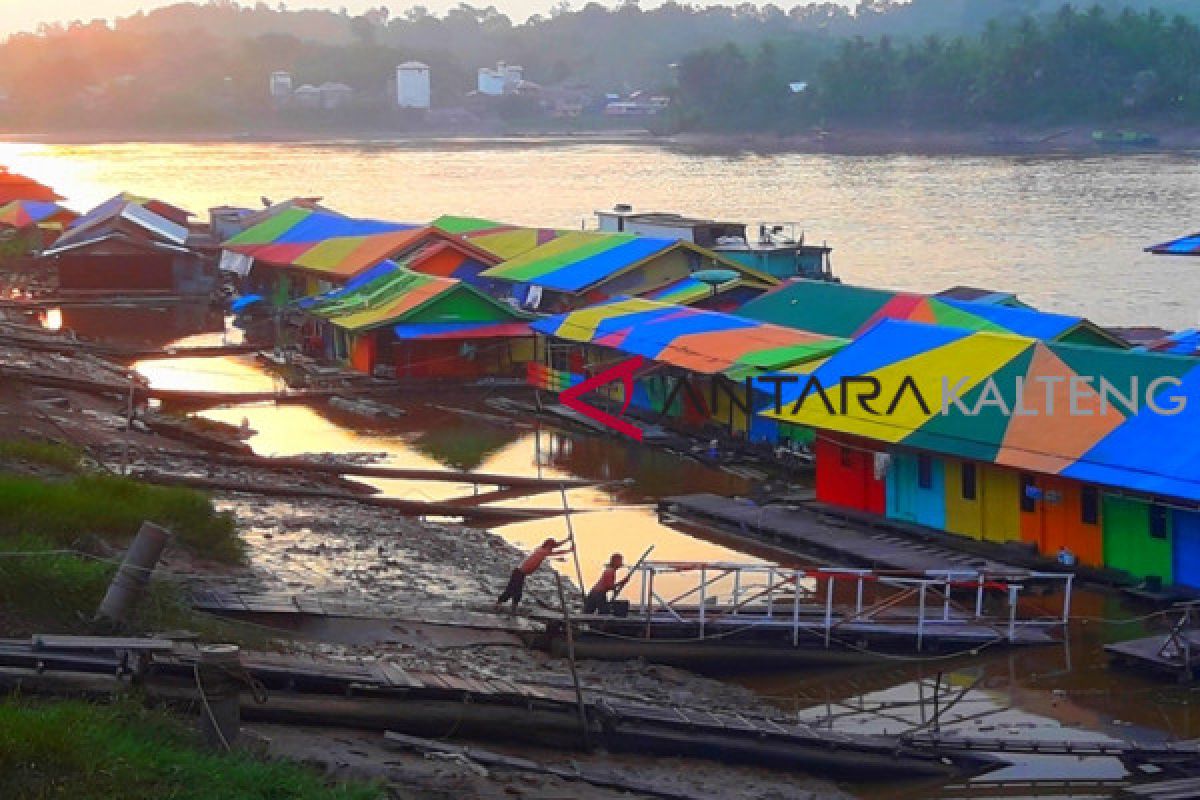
(968, 481)
(924, 471)
(1029, 493)
(1158, 522)
(1089, 505)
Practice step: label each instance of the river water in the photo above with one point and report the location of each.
(1065, 233)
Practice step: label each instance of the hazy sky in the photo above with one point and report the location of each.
(18, 15)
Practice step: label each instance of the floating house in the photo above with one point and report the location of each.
(131, 244)
(394, 322)
(34, 224)
(581, 268)
(700, 359)
(1007, 438)
(302, 251)
(837, 309)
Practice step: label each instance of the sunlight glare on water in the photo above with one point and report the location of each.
(1066, 233)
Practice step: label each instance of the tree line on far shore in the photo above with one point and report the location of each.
(200, 67)
(1070, 65)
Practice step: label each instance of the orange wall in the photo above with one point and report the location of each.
(1053, 525)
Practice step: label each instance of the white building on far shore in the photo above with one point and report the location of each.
(412, 85)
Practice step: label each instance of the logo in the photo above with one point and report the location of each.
(623, 372)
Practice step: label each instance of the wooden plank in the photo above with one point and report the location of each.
(48, 641)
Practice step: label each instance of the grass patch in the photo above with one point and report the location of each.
(113, 507)
(49, 454)
(79, 751)
(60, 592)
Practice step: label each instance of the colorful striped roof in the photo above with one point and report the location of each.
(402, 296)
(27, 213)
(328, 244)
(837, 309)
(575, 261)
(1016, 408)
(709, 342)
(1183, 246)
(689, 291)
(501, 240)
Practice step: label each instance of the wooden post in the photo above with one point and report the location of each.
(570, 637)
(574, 548)
(134, 573)
(218, 683)
(128, 426)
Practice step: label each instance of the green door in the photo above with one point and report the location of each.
(1137, 538)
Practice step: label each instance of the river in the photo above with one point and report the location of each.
(1065, 233)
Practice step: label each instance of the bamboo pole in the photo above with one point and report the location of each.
(570, 637)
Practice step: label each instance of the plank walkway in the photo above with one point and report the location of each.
(802, 529)
(233, 603)
(620, 723)
(1153, 654)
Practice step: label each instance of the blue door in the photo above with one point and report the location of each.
(1187, 548)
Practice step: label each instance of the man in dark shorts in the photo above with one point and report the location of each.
(596, 601)
(516, 581)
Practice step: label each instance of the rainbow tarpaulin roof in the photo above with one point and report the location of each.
(575, 261)
(27, 213)
(1014, 404)
(1183, 246)
(840, 310)
(688, 290)
(501, 240)
(14, 186)
(401, 296)
(709, 342)
(329, 244)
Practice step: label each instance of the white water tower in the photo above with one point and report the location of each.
(412, 85)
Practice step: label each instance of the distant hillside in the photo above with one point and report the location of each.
(202, 67)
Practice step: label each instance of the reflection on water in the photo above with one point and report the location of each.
(1065, 232)
(226, 374)
(610, 519)
(145, 326)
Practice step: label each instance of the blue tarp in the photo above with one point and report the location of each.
(317, 227)
(244, 302)
(1022, 321)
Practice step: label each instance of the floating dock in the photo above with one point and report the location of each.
(1174, 654)
(798, 528)
(769, 616)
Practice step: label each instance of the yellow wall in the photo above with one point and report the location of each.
(964, 517)
(994, 514)
(1001, 505)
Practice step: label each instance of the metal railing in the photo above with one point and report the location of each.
(734, 595)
